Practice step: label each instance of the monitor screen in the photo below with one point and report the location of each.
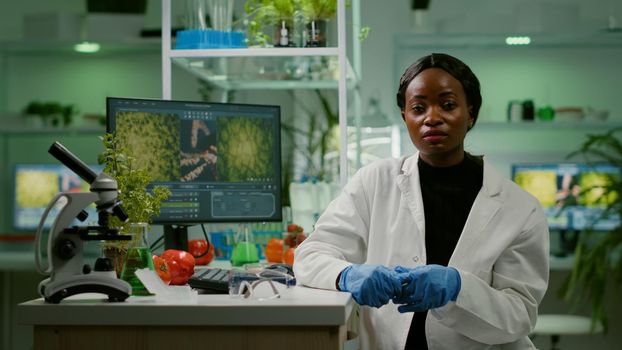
(35, 185)
(222, 162)
(571, 193)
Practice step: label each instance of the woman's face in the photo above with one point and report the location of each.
(437, 116)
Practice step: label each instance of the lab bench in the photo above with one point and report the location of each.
(304, 318)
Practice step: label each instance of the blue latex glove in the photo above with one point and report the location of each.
(427, 287)
(372, 285)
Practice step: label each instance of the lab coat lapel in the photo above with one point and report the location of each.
(485, 207)
(408, 182)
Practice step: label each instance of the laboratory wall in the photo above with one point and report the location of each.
(582, 75)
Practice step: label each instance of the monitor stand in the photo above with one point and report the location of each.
(176, 237)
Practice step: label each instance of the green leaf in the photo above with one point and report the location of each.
(140, 205)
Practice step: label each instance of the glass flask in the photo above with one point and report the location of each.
(138, 256)
(245, 250)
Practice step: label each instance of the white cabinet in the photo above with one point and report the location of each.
(229, 68)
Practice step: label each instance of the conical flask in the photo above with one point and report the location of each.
(245, 250)
(138, 257)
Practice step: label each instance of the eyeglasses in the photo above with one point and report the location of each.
(258, 283)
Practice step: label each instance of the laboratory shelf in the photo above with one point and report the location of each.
(558, 125)
(257, 52)
(271, 73)
(537, 40)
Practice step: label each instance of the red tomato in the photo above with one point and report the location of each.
(199, 249)
(294, 228)
(289, 256)
(274, 250)
(181, 265)
(161, 267)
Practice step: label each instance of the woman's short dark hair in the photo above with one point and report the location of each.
(451, 65)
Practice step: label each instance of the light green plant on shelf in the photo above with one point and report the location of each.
(260, 14)
(318, 9)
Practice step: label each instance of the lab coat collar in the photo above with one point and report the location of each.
(492, 183)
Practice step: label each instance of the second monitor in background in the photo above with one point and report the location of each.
(572, 195)
(222, 162)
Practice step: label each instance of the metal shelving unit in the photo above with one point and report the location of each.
(193, 61)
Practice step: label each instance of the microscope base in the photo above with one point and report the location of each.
(53, 291)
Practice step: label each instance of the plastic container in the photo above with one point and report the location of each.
(209, 39)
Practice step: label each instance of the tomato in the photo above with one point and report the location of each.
(294, 228)
(274, 250)
(289, 256)
(181, 265)
(161, 267)
(199, 249)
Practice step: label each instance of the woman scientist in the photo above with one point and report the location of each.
(441, 251)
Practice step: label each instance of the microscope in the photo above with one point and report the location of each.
(68, 275)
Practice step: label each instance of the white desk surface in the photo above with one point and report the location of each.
(301, 306)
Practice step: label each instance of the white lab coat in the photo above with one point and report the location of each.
(502, 256)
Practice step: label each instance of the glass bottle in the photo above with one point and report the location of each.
(138, 257)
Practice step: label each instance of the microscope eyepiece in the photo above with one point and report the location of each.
(72, 162)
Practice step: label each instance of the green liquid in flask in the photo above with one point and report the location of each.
(136, 259)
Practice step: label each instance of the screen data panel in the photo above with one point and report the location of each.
(221, 162)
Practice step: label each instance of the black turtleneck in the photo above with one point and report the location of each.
(448, 195)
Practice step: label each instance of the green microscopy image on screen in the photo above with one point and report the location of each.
(244, 149)
(145, 134)
(594, 186)
(541, 184)
(35, 188)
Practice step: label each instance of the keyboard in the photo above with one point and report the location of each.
(212, 280)
(216, 280)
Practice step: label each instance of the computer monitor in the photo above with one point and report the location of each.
(35, 185)
(571, 193)
(221, 161)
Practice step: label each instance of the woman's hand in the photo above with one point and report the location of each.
(427, 287)
(371, 285)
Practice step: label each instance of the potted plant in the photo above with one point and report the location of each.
(598, 256)
(51, 113)
(277, 14)
(316, 14)
(140, 204)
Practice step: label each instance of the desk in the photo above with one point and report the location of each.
(12, 262)
(303, 319)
